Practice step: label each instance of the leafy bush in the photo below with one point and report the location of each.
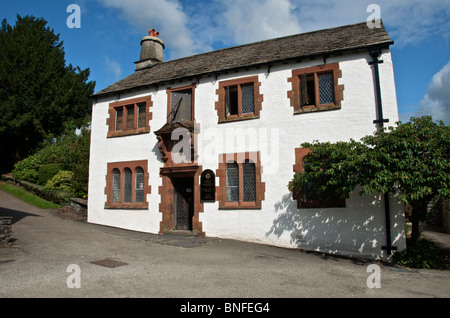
(47, 171)
(61, 181)
(28, 168)
(424, 254)
(70, 152)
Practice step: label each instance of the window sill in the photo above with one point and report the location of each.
(240, 206)
(139, 131)
(234, 118)
(314, 108)
(127, 206)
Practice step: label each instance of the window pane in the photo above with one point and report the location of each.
(326, 88)
(232, 182)
(249, 181)
(248, 104)
(130, 117)
(139, 185)
(141, 115)
(116, 186)
(181, 106)
(119, 118)
(127, 186)
(231, 100)
(307, 90)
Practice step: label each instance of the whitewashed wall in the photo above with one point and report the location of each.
(356, 229)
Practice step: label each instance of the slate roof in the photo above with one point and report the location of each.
(295, 47)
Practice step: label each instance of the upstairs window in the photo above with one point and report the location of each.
(316, 88)
(180, 107)
(129, 117)
(239, 99)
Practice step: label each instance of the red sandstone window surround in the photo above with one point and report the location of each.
(129, 117)
(127, 185)
(239, 99)
(316, 88)
(240, 185)
(308, 197)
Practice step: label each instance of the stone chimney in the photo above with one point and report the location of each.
(151, 51)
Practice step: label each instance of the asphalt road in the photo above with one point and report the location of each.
(52, 256)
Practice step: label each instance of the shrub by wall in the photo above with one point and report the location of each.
(48, 171)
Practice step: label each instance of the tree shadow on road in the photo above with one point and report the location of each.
(15, 214)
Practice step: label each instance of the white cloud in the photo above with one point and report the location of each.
(254, 20)
(437, 100)
(113, 68)
(191, 27)
(167, 17)
(408, 21)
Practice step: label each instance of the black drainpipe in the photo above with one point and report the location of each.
(375, 54)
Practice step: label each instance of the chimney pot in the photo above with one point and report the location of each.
(151, 51)
(153, 32)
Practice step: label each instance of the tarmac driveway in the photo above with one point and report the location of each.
(51, 254)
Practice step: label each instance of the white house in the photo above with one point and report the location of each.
(206, 144)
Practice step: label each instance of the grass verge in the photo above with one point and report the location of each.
(28, 197)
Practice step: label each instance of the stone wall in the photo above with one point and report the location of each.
(5, 229)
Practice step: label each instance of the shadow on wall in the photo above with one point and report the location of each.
(358, 229)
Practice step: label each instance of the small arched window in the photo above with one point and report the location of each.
(116, 186)
(232, 182)
(139, 185)
(127, 184)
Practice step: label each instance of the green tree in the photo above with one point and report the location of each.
(39, 94)
(410, 161)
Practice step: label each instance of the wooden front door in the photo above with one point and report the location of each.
(183, 203)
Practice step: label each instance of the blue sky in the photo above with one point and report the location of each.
(108, 41)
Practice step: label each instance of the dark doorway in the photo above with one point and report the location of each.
(183, 203)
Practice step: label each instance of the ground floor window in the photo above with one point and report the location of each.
(308, 197)
(127, 185)
(240, 185)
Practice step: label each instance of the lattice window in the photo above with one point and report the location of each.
(116, 186)
(141, 115)
(139, 190)
(326, 88)
(316, 88)
(127, 184)
(249, 174)
(232, 182)
(248, 100)
(130, 118)
(119, 119)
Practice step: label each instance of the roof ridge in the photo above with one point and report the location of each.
(268, 40)
(333, 40)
